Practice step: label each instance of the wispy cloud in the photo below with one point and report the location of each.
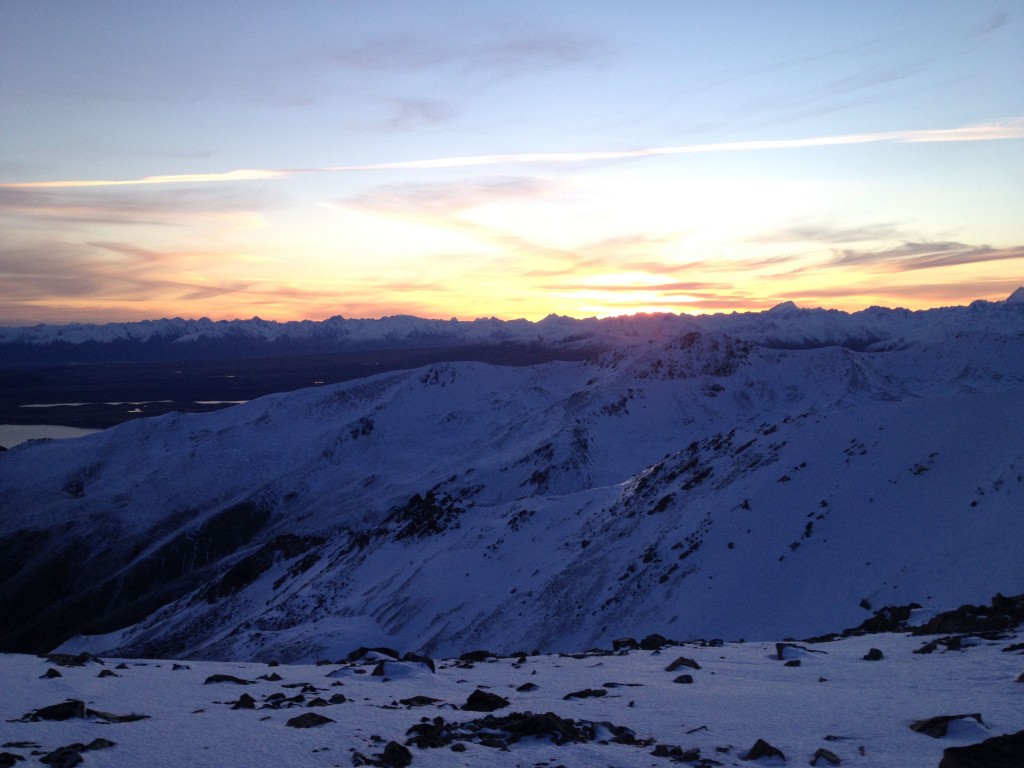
(1002, 130)
(928, 255)
(508, 55)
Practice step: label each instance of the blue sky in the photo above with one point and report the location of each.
(478, 158)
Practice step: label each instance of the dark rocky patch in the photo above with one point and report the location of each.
(1002, 614)
(937, 726)
(873, 654)
(684, 679)
(50, 674)
(793, 663)
(1006, 751)
(9, 759)
(500, 732)
(525, 687)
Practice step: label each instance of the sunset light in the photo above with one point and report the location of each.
(476, 160)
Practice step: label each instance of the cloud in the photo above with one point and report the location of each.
(823, 232)
(928, 255)
(471, 54)
(1001, 130)
(414, 113)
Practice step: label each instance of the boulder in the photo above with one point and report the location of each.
(483, 701)
(1005, 751)
(308, 720)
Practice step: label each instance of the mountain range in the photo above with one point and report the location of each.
(745, 476)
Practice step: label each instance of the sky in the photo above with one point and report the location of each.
(473, 159)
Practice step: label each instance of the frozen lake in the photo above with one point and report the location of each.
(14, 434)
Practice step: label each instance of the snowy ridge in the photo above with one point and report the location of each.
(785, 326)
(697, 485)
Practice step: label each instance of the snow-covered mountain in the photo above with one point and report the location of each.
(784, 326)
(742, 476)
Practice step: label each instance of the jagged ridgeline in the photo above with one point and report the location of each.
(743, 476)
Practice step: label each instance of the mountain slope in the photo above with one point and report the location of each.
(698, 485)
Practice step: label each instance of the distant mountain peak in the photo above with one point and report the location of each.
(1017, 297)
(786, 306)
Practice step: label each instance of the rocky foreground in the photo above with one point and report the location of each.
(907, 688)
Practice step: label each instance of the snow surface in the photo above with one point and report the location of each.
(860, 711)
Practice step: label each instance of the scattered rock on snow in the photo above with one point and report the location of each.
(873, 655)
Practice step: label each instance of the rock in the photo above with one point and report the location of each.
(793, 663)
(107, 673)
(677, 753)
(873, 655)
(828, 756)
(761, 749)
(245, 701)
(684, 679)
(227, 679)
(64, 757)
(338, 698)
(308, 720)
(476, 656)
(625, 644)
(395, 755)
(50, 674)
(483, 701)
(1005, 751)
(653, 642)
(8, 759)
(682, 661)
(458, 747)
(72, 660)
(72, 708)
(273, 677)
(419, 701)
(425, 660)
(936, 727)
(586, 693)
(1020, 678)
(358, 653)
(525, 687)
